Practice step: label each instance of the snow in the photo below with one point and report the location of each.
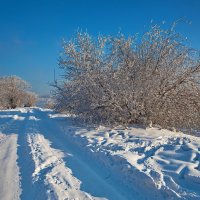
(45, 155)
(60, 181)
(33, 118)
(162, 163)
(15, 117)
(59, 178)
(9, 171)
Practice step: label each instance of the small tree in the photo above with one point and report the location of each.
(13, 92)
(30, 99)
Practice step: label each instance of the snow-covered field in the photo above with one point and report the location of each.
(44, 155)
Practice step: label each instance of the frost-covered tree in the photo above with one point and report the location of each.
(30, 99)
(155, 77)
(14, 92)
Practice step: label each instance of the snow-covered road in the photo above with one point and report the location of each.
(44, 155)
(37, 162)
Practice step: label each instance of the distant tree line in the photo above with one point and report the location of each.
(123, 80)
(14, 93)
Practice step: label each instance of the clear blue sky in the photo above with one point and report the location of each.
(31, 31)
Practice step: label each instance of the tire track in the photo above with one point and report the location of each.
(65, 171)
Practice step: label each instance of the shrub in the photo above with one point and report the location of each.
(129, 80)
(13, 93)
(30, 99)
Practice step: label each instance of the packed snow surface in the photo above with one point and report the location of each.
(45, 155)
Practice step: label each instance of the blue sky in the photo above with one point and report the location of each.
(31, 31)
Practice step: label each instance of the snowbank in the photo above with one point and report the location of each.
(157, 164)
